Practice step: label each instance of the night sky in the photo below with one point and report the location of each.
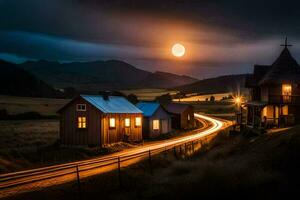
(220, 36)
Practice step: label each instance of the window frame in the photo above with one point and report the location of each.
(81, 107)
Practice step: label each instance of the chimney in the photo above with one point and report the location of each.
(104, 94)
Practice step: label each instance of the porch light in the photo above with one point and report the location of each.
(238, 100)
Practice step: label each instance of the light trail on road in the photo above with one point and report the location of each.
(29, 180)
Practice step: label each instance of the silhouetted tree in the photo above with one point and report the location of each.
(164, 99)
(70, 92)
(132, 98)
(212, 98)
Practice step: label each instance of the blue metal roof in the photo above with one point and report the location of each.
(148, 108)
(114, 104)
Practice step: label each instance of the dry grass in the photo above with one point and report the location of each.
(148, 94)
(28, 133)
(204, 97)
(44, 106)
(20, 138)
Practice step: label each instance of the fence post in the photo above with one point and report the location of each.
(193, 147)
(119, 172)
(78, 182)
(150, 162)
(180, 151)
(166, 151)
(174, 150)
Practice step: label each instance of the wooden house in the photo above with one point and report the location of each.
(156, 120)
(275, 93)
(99, 120)
(182, 115)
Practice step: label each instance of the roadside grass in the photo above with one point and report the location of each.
(235, 167)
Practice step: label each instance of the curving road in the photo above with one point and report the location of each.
(29, 180)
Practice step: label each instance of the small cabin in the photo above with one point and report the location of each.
(96, 120)
(156, 120)
(182, 115)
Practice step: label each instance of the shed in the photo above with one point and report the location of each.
(96, 120)
(182, 115)
(156, 120)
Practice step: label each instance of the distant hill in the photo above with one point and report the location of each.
(166, 80)
(219, 84)
(18, 82)
(101, 75)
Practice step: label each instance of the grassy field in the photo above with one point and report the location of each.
(44, 106)
(234, 167)
(148, 94)
(191, 98)
(20, 142)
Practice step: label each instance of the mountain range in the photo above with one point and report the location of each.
(39, 78)
(101, 75)
(18, 82)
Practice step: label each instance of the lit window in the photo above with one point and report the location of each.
(189, 117)
(265, 111)
(285, 110)
(81, 107)
(127, 122)
(286, 90)
(156, 124)
(81, 122)
(138, 121)
(112, 123)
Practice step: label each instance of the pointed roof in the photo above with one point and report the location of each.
(148, 108)
(284, 69)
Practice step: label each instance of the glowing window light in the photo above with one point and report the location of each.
(286, 89)
(81, 122)
(156, 124)
(112, 123)
(127, 122)
(138, 121)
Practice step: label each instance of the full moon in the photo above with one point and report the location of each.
(178, 50)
